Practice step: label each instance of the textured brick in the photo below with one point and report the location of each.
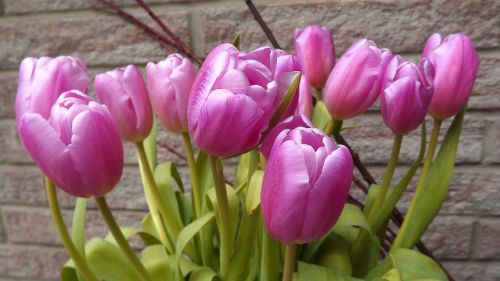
(488, 239)
(373, 140)
(8, 80)
(486, 92)
(402, 26)
(31, 261)
(30, 6)
(474, 271)
(11, 149)
(449, 237)
(35, 225)
(96, 37)
(492, 152)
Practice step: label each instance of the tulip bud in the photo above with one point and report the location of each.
(169, 84)
(42, 80)
(305, 185)
(285, 64)
(232, 100)
(315, 49)
(78, 147)
(406, 95)
(455, 62)
(355, 82)
(124, 92)
(305, 102)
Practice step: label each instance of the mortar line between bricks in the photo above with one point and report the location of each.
(158, 8)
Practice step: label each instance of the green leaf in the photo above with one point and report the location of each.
(189, 232)
(414, 265)
(271, 263)
(108, 262)
(429, 197)
(78, 228)
(233, 204)
(164, 179)
(246, 166)
(370, 198)
(294, 78)
(204, 171)
(158, 263)
(236, 40)
(253, 194)
(242, 253)
(68, 272)
(334, 255)
(321, 117)
(147, 237)
(312, 272)
(150, 146)
(203, 274)
(185, 209)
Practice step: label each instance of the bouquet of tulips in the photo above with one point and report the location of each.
(287, 213)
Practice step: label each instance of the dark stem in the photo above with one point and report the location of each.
(179, 44)
(262, 23)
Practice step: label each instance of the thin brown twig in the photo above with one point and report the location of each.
(262, 24)
(179, 44)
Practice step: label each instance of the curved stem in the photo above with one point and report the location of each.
(290, 252)
(153, 208)
(55, 211)
(195, 180)
(120, 239)
(223, 205)
(389, 172)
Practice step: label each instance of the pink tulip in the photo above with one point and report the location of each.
(305, 185)
(355, 82)
(305, 102)
(124, 92)
(406, 95)
(286, 67)
(316, 51)
(42, 80)
(456, 63)
(288, 124)
(169, 84)
(78, 147)
(232, 100)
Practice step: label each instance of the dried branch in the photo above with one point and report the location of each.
(262, 24)
(178, 43)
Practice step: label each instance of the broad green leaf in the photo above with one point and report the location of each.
(246, 166)
(312, 272)
(164, 180)
(78, 228)
(68, 272)
(253, 194)
(242, 253)
(392, 199)
(185, 209)
(158, 263)
(292, 79)
(147, 237)
(204, 171)
(321, 117)
(150, 146)
(370, 198)
(334, 255)
(189, 232)
(236, 40)
(203, 274)
(429, 197)
(108, 262)
(271, 263)
(414, 265)
(233, 204)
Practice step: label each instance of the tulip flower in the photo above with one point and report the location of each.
(286, 64)
(305, 185)
(355, 82)
(42, 80)
(406, 95)
(456, 63)
(124, 92)
(78, 147)
(169, 84)
(315, 49)
(232, 100)
(305, 102)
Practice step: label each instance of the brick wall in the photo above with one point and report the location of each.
(466, 235)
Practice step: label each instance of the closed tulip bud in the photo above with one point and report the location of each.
(42, 80)
(305, 102)
(124, 92)
(232, 100)
(286, 64)
(355, 82)
(169, 84)
(315, 49)
(78, 147)
(406, 95)
(305, 185)
(455, 62)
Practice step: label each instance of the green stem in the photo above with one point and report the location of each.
(120, 239)
(389, 172)
(290, 252)
(55, 211)
(334, 128)
(423, 176)
(223, 205)
(153, 209)
(195, 180)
